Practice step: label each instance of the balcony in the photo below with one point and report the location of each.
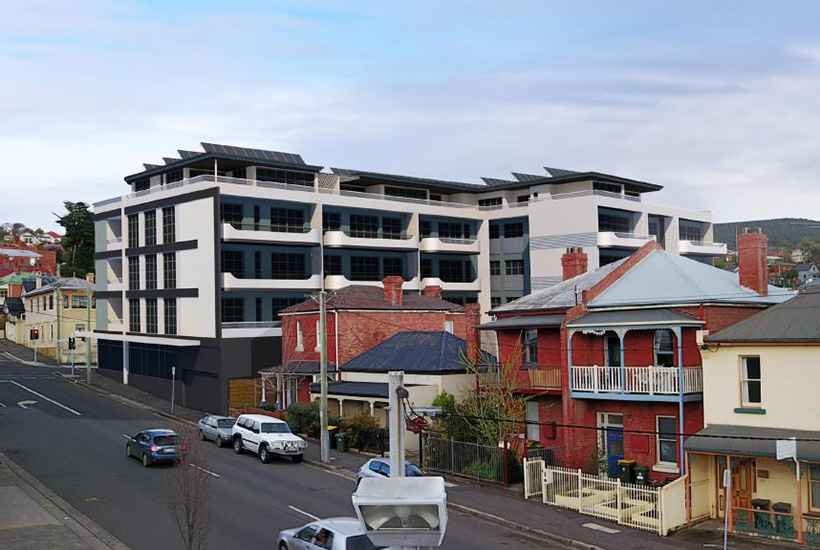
(251, 329)
(636, 383)
(115, 285)
(335, 282)
(449, 245)
(702, 248)
(270, 234)
(622, 240)
(528, 378)
(372, 240)
(471, 286)
(114, 243)
(231, 282)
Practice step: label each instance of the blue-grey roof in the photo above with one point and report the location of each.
(525, 321)
(635, 318)
(796, 320)
(413, 353)
(299, 367)
(17, 253)
(66, 283)
(14, 306)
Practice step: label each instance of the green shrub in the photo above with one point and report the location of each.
(303, 418)
(481, 470)
(361, 431)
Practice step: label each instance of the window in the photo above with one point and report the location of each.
(257, 217)
(533, 430)
(318, 335)
(393, 266)
(288, 220)
(514, 267)
(134, 315)
(814, 486)
(152, 360)
(391, 228)
(495, 231)
(513, 230)
(258, 309)
(169, 270)
(522, 198)
(233, 310)
(751, 380)
(531, 346)
(142, 185)
(306, 534)
(405, 192)
(133, 273)
(173, 175)
(331, 221)
(133, 230)
(614, 220)
(455, 271)
(170, 315)
(490, 204)
(447, 230)
(300, 342)
(285, 176)
(364, 268)
(667, 439)
(425, 228)
(240, 173)
(495, 301)
(257, 264)
(495, 267)
(233, 261)
(287, 266)
(169, 231)
(231, 213)
(278, 304)
(65, 300)
(151, 228)
(664, 348)
(51, 302)
(364, 226)
(324, 539)
(333, 264)
(657, 227)
(690, 231)
(608, 187)
(448, 325)
(426, 268)
(151, 315)
(151, 271)
(436, 197)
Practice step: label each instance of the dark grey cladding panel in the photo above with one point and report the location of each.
(564, 241)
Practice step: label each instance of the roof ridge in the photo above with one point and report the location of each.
(668, 259)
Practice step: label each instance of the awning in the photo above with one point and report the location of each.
(635, 318)
(752, 441)
(524, 321)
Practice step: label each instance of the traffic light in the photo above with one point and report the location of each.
(72, 343)
(35, 333)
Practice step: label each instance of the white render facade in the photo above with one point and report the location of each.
(255, 231)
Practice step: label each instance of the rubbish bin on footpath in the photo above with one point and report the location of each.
(783, 524)
(763, 519)
(332, 431)
(642, 475)
(341, 442)
(626, 469)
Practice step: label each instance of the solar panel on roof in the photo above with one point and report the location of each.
(495, 181)
(151, 166)
(261, 154)
(188, 154)
(169, 160)
(558, 172)
(526, 177)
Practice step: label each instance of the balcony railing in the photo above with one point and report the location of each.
(269, 227)
(636, 380)
(535, 378)
(251, 324)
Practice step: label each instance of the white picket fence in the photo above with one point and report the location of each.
(656, 509)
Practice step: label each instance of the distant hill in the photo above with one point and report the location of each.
(779, 230)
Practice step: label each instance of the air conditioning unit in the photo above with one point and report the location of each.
(700, 336)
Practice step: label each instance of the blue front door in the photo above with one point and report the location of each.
(614, 450)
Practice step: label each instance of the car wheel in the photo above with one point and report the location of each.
(283, 546)
(296, 458)
(264, 454)
(219, 442)
(128, 450)
(145, 460)
(202, 435)
(237, 445)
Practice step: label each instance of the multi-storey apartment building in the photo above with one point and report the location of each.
(196, 262)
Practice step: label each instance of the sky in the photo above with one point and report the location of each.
(716, 101)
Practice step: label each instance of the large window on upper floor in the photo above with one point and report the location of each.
(451, 230)
(364, 226)
(133, 230)
(278, 304)
(495, 201)
(426, 268)
(425, 228)
(751, 395)
(495, 267)
(170, 315)
(287, 266)
(151, 271)
(333, 264)
(405, 192)
(151, 318)
(134, 315)
(233, 310)
(514, 267)
(233, 261)
(142, 185)
(513, 230)
(391, 228)
(173, 175)
(814, 487)
(287, 219)
(169, 233)
(285, 176)
(455, 271)
(664, 348)
(608, 187)
(231, 213)
(657, 228)
(364, 268)
(133, 273)
(169, 270)
(616, 221)
(331, 221)
(151, 228)
(531, 346)
(393, 266)
(690, 231)
(495, 231)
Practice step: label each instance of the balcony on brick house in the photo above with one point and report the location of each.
(527, 379)
(642, 352)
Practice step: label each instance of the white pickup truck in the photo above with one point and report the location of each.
(266, 436)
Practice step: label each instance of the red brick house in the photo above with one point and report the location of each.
(612, 356)
(21, 258)
(360, 317)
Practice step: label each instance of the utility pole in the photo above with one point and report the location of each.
(59, 320)
(88, 336)
(173, 386)
(324, 437)
(395, 393)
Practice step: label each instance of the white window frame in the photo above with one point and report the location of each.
(448, 326)
(814, 505)
(318, 335)
(533, 430)
(658, 438)
(744, 382)
(300, 344)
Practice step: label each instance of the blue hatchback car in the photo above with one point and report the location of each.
(152, 446)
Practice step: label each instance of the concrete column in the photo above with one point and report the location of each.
(341, 407)
(126, 368)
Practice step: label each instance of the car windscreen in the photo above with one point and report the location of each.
(412, 471)
(275, 428)
(361, 542)
(225, 423)
(166, 440)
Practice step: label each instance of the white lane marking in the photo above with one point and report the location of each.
(596, 527)
(126, 436)
(25, 404)
(204, 470)
(311, 516)
(449, 485)
(1, 405)
(69, 409)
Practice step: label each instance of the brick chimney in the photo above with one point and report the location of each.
(89, 277)
(434, 291)
(574, 261)
(392, 290)
(753, 270)
(473, 317)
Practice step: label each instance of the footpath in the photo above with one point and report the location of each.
(505, 507)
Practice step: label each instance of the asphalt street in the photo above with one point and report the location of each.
(71, 439)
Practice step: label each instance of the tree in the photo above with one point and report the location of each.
(811, 247)
(79, 238)
(188, 492)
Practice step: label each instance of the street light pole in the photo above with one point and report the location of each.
(396, 424)
(88, 336)
(59, 320)
(324, 436)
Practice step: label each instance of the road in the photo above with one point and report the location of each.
(71, 439)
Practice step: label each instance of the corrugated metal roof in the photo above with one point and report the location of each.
(14, 306)
(797, 320)
(66, 283)
(17, 253)
(413, 352)
(635, 317)
(299, 367)
(524, 321)
(752, 441)
(357, 389)
(372, 297)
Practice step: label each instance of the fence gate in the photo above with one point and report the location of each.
(532, 477)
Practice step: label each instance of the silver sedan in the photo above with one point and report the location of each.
(216, 428)
(326, 534)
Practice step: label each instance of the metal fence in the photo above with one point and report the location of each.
(459, 458)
